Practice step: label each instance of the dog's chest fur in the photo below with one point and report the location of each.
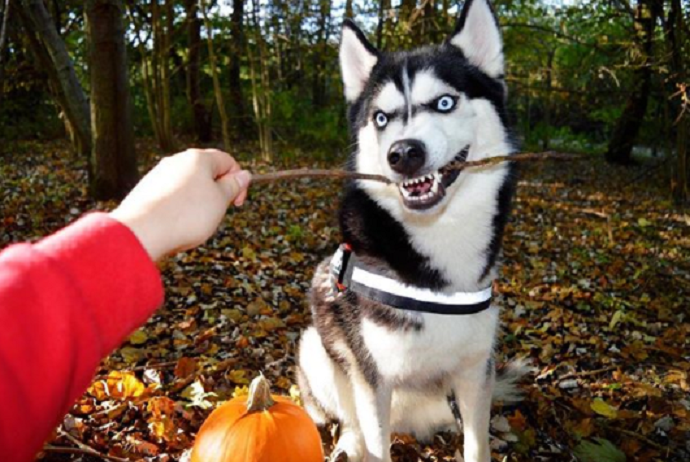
(404, 348)
(420, 356)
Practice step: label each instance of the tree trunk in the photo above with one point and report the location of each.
(546, 142)
(430, 30)
(445, 15)
(147, 70)
(383, 25)
(407, 23)
(113, 159)
(161, 71)
(267, 101)
(261, 91)
(227, 142)
(318, 78)
(675, 28)
(4, 18)
(628, 126)
(241, 122)
(202, 117)
(3, 39)
(76, 105)
(349, 13)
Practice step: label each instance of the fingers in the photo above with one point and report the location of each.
(235, 186)
(239, 200)
(218, 161)
(227, 172)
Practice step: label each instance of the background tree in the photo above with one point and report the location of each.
(601, 77)
(202, 117)
(114, 161)
(217, 90)
(51, 51)
(4, 19)
(625, 133)
(240, 116)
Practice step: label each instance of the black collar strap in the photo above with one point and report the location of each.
(349, 274)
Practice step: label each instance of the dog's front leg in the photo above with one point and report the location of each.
(373, 404)
(474, 393)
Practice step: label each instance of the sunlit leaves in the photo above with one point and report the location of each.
(139, 337)
(197, 396)
(598, 305)
(601, 407)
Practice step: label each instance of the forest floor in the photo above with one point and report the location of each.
(595, 290)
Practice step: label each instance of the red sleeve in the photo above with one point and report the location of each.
(65, 303)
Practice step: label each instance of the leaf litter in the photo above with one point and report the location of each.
(595, 290)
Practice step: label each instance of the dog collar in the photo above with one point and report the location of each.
(348, 274)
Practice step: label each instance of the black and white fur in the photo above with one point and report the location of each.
(378, 369)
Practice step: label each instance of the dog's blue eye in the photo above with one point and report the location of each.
(445, 103)
(381, 119)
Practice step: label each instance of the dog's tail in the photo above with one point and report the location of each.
(507, 377)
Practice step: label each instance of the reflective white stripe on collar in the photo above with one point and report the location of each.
(395, 293)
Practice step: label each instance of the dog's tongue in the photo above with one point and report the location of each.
(419, 189)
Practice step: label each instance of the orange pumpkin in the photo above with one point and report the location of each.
(258, 428)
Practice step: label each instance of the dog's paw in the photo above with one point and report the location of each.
(339, 455)
(350, 448)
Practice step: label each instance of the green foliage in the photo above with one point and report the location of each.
(601, 450)
(323, 132)
(570, 70)
(560, 138)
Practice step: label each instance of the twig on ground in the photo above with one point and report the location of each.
(81, 448)
(80, 451)
(103, 412)
(588, 373)
(152, 366)
(345, 175)
(642, 438)
(141, 368)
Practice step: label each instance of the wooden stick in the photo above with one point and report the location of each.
(84, 452)
(315, 173)
(570, 375)
(81, 448)
(345, 175)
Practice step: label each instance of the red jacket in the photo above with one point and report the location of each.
(65, 303)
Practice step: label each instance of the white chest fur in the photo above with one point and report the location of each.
(445, 344)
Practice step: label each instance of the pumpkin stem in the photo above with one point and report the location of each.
(259, 395)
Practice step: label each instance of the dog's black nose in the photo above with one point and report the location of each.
(407, 156)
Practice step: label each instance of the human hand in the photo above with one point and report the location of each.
(179, 204)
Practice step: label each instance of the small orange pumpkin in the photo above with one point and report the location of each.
(258, 428)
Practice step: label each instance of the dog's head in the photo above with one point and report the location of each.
(413, 113)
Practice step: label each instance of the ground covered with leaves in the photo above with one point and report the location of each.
(595, 290)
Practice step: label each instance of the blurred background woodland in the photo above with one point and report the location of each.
(261, 76)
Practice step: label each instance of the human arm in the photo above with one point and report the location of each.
(69, 300)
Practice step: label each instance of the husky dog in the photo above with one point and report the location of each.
(433, 234)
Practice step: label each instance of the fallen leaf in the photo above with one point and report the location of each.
(601, 407)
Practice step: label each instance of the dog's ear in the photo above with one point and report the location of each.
(357, 58)
(478, 36)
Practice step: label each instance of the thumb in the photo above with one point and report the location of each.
(234, 183)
